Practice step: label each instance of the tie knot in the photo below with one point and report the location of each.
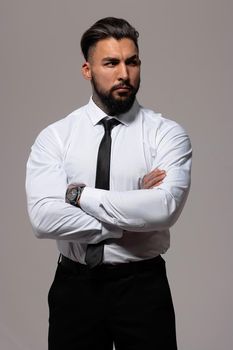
(109, 124)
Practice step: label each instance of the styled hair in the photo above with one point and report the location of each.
(109, 27)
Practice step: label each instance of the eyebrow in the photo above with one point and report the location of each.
(110, 59)
(107, 59)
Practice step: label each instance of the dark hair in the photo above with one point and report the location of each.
(108, 27)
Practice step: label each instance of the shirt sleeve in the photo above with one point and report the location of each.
(46, 184)
(150, 209)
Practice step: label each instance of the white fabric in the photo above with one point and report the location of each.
(136, 221)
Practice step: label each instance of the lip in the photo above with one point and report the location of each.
(124, 88)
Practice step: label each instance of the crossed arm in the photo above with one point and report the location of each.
(150, 180)
(105, 214)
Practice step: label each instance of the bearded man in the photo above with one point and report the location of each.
(107, 182)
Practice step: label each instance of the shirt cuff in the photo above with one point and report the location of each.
(90, 202)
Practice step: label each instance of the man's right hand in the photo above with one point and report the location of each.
(153, 179)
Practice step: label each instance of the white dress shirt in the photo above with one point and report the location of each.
(134, 221)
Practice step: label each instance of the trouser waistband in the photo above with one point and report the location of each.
(113, 269)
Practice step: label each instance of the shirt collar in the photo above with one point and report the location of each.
(96, 114)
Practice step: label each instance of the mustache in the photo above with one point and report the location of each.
(122, 85)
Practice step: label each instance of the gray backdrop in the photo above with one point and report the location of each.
(186, 50)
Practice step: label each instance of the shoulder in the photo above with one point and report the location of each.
(66, 124)
(157, 121)
(62, 129)
(163, 129)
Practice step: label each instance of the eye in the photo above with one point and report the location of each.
(111, 63)
(134, 62)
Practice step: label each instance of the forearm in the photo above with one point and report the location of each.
(57, 220)
(60, 221)
(140, 210)
(145, 209)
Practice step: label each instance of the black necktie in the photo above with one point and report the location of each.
(94, 253)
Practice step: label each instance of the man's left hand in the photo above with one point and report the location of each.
(152, 179)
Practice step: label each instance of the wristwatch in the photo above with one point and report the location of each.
(73, 194)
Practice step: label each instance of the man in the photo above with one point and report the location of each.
(106, 183)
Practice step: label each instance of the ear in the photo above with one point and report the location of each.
(86, 71)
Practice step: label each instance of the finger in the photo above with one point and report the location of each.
(157, 184)
(158, 172)
(152, 182)
(154, 178)
(158, 178)
(153, 174)
(154, 185)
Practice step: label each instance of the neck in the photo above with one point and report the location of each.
(100, 104)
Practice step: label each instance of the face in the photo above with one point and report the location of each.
(113, 68)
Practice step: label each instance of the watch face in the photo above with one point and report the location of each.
(72, 194)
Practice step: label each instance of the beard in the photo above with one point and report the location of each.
(111, 104)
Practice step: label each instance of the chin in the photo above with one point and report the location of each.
(122, 95)
(121, 98)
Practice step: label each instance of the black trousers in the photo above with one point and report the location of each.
(129, 305)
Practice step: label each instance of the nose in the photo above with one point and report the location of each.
(123, 72)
